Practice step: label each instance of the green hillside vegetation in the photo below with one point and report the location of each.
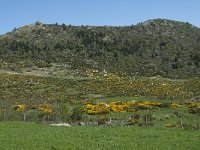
(26, 88)
(83, 99)
(155, 47)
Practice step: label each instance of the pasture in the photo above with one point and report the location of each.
(23, 136)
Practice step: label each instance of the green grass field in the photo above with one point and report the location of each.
(30, 136)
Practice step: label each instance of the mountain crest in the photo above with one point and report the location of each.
(155, 47)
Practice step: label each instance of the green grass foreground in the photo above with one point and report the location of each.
(30, 136)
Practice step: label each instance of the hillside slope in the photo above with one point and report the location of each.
(155, 47)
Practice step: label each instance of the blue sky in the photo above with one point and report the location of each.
(16, 13)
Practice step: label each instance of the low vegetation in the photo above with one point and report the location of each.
(101, 101)
(23, 136)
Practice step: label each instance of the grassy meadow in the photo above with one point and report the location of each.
(23, 136)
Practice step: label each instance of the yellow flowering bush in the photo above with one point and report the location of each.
(95, 109)
(19, 107)
(174, 105)
(103, 108)
(170, 125)
(192, 104)
(46, 108)
(132, 106)
(118, 106)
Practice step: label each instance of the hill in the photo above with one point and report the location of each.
(155, 47)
